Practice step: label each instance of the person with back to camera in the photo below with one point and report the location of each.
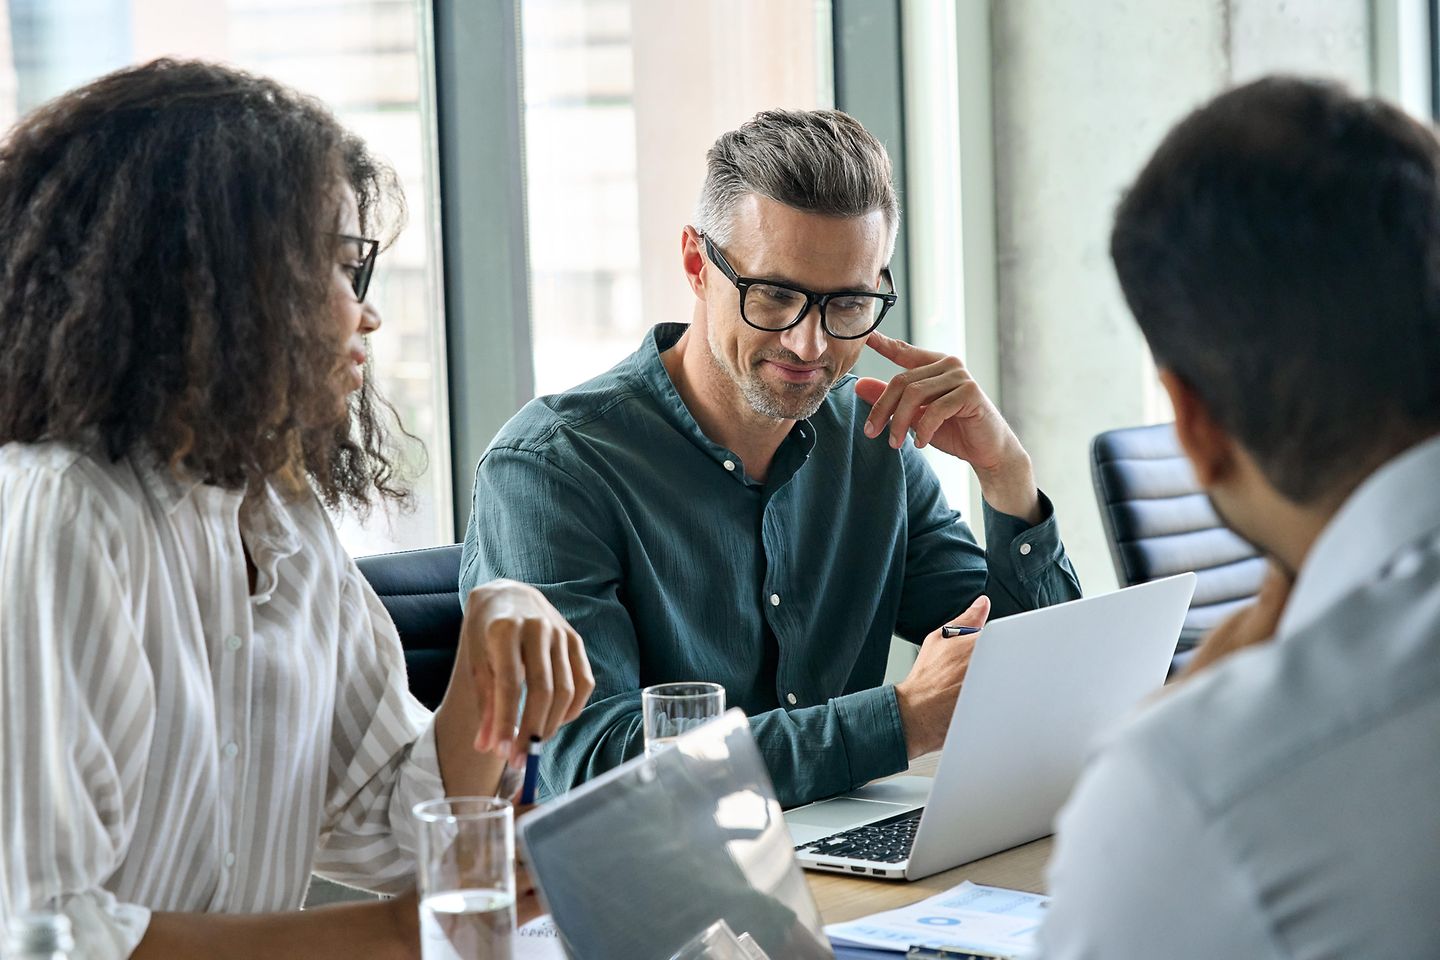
(1281, 253)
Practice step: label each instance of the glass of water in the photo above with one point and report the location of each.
(671, 709)
(467, 878)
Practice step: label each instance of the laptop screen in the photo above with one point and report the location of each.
(637, 863)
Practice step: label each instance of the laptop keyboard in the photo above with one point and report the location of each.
(885, 841)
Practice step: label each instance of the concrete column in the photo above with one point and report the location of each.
(1083, 94)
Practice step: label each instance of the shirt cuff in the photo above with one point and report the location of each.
(873, 734)
(104, 927)
(419, 781)
(1023, 551)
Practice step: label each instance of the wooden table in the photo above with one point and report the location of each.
(842, 897)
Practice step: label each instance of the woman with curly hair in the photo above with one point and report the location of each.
(203, 700)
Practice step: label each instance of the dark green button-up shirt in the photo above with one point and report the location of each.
(674, 565)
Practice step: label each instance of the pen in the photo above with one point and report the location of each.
(948, 631)
(532, 772)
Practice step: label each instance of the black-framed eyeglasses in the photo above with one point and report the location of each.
(360, 273)
(769, 305)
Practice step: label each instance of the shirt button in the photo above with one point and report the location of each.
(231, 750)
(1024, 549)
(790, 697)
(774, 599)
(232, 643)
(230, 859)
(730, 465)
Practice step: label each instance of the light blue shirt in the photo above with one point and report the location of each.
(1287, 803)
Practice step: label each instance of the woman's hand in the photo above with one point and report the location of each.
(513, 639)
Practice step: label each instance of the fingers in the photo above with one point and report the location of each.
(911, 393)
(912, 399)
(563, 687)
(539, 680)
(1274, 592)
(482, 675)
(484, 679)
(518, 645)
(869, 389)
(953, 404)
(975, 615)
(1251, 625)
(583, 677)
(899, 352)
(504, 655)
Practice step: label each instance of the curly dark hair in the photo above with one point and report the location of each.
(165, 269)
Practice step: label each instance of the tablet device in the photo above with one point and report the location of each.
(637, 863)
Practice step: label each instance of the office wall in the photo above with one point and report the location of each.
(1083, 93)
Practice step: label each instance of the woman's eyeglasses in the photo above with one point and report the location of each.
(361, 271)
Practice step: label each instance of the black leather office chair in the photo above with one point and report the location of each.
(1158, 523)
(421, 589)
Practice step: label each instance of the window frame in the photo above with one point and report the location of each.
(489, 347)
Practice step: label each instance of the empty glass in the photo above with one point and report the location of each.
(718, 942)
(671, 709)
(466, 873)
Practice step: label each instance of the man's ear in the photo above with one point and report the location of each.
(692, 258)
(1210, 449)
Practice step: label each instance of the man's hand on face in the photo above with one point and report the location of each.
(1246, 627)
(926, 696)
(936, 397)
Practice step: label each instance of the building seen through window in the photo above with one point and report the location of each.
(368, 61)
(621, 100)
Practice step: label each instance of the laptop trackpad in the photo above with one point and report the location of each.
(841, 812)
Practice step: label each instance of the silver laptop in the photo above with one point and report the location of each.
(1041, 686)
(637, 863)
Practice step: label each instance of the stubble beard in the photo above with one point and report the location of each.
(788, 401)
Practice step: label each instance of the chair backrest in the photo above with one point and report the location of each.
(1159, 523)
(421, 590)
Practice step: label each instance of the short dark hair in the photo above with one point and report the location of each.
(165, 273)
(1281, 252)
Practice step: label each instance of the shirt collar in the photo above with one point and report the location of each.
(265, 521)
(652, 370)
(1395, 505)
(167, 485)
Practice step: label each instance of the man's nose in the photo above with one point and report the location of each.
(807, 338)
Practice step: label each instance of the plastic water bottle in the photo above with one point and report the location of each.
(39, 936)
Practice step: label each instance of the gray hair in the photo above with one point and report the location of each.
(819, 161)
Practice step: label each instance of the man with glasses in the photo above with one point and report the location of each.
(729, 505)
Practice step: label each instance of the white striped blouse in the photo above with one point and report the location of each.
(170, 741)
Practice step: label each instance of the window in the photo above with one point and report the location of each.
(621, 99)
(370, 61)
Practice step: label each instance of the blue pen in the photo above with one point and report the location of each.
(958, 631)
(532, 772)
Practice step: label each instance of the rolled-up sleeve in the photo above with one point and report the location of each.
(76, 710)
(383, 757)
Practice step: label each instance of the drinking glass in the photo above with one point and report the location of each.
(467, 878)
(670, 709)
